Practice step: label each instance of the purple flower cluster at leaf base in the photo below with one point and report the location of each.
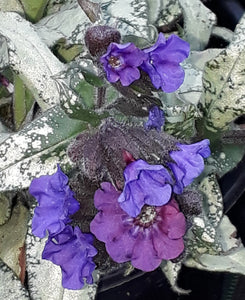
(154, 235)
(162, 63)
(73, 252)
(155, 119)
(144, 184)
(121, 62)
(55, 203)
(189, 163)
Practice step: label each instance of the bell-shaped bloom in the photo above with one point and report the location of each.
(155, 119)
(163, 62)
(55, 203)
(144, 184)
(189, 163)
(155, 234)
(121, 62)
(73, 252)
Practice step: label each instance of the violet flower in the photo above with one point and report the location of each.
(156, 234)
(121, 62)
(189, 163)
(73, 252)
(144, 184)
(55, 203)
(162, 64)
(155, 119)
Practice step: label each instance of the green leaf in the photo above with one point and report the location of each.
(23, 102)
(180, 120)
(36, 149)
(77, 106)
(224, 83)
(34, 9)
(65, 52)
(224, 157)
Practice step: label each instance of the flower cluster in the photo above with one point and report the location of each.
(68, 248)
(161, 62)
(143, 224)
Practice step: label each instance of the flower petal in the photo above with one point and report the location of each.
(145, 256)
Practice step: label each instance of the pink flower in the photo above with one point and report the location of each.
(155, 234)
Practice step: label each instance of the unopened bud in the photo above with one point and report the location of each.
(98, 38)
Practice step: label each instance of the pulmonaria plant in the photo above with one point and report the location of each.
(155, 234)
(161, 62)
(70, 249)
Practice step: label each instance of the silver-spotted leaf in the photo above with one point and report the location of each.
(36, 149)
(224, 83)
(31, 58)
(198, 21)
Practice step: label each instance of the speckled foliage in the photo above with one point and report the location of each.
(57, 106)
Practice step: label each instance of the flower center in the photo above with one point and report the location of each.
(147, 216)
(114, 61)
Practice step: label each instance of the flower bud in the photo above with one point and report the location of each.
(98, 38)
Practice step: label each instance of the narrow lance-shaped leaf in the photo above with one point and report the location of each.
(224, 83)
(31, 58)
(37, 149)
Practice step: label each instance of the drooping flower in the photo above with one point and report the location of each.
(55, 203)
(144, 184)
(155, 234)
(155, 119)
(162, 64)
(73, 252)
(121, 62)
(189, 163)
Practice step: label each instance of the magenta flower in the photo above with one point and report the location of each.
(55, 203)
(155, 119)
(154, 235)
(121, 62)
(189, 163)
(162, 64)
(73, 252)
(144, 184)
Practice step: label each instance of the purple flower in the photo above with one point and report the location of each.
(73, 252)
(154, 235)
(162, 64)
(121, 62)
(55, 203)
(189, 163)
(144, 184)
(155, 119)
